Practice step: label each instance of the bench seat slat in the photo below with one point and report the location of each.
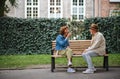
(77, 46)
(64, 56)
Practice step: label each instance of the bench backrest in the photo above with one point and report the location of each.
(77, 46)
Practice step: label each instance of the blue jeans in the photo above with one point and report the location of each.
(87, 56)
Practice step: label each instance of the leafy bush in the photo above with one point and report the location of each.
(34, 36)
(28, 36)
(76, 27)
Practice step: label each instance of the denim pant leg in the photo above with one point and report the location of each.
(87, 57)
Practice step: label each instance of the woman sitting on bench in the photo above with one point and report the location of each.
(62, 46)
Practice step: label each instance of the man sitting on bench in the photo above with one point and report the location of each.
(96, 48)
(62, 46)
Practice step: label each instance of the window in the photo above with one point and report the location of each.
(31, 8)
(114, 13)
(55, 9)
(78, 9)
(114, 0)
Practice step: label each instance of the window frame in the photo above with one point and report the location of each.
(78, 11)
(114, 0)
(55, 7)
(32, 6)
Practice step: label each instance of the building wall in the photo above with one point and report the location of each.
(66, 9)
(114, 6)
(43, 8)
(18, 11)
(97, 8)
(105, 8)
(93, 8)
(89, 9)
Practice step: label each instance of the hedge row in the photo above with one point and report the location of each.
(28, 36)
(110, 27)
(34, 36)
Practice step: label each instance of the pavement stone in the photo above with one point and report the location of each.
(60, 73)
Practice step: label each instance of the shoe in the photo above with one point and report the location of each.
(69, 64)
(94, 69)
(70, 70)
(88, 71)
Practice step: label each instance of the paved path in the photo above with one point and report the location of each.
(113, 73)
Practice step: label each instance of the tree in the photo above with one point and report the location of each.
(4, 7)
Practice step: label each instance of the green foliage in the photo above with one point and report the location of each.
(110, 27)
(34, 36)
(23, 61)
(76, 27)
(4, 6)
(28, 36)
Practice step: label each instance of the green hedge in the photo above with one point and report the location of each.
(28, 36)
(76, 28)
(34, 36)
(110, 27)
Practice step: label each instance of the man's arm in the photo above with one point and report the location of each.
(96, 43)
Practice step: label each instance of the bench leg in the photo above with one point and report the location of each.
(105, 63)
(52, 64)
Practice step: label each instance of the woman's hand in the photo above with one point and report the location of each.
(68, 35)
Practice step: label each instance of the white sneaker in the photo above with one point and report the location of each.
(94, 69)
(88, 71)
(70, 70)
(69, 64)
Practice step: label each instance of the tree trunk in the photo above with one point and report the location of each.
(2, 7)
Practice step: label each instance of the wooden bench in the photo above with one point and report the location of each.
(77, 46)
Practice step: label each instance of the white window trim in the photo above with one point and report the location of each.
(84, 7)
(48, 8)
(114, 0)
(38, 6)
(25, 9)
(61, 6)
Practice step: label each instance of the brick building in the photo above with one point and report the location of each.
(104, 8)
(73, 9)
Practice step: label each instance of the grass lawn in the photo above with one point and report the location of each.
(22, 61)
